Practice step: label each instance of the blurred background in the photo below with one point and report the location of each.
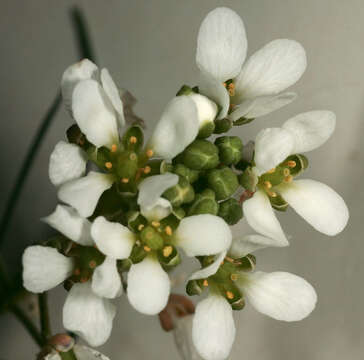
(149, 48)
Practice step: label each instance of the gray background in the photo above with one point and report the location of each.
(149, 47)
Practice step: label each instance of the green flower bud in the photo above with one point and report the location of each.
(230, 148)
(206, 129)
(223, 181)
(182, 193)
(201, 155)
(204, 203)
(194, 287)
(185, 90)
(222, 126)
(278, 203)
(231, 211)
(168, 256)
(296, 164)
(151, 237)
(249, 179)
(242, 121)
(133, 139)
(138, 254)
(189, 174)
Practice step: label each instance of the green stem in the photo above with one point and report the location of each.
(27, 323)
(45, 325)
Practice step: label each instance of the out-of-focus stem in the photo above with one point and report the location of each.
(45, 325)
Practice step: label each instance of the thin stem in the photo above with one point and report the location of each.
(27, 323)
(45, 325)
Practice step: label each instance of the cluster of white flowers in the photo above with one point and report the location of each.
(122, 227)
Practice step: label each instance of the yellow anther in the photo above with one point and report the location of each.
(156, 224)
(132, 157)
(267, 184)
(92, 264)
(229, 295)
(224, 84)
(77, 271)
(271, 171)
(147, 170)
(286, 172)
(108, 165)
(141, 227)
(205, 283)
(229, 259)
(168, 230)
(133, 140)
(149, 152)
(167, 251)
(291, 163)
(288, 179)
(234, 277)
(125, 180)
(84, 279)
(272, 194)
(147, 248)
(114, 147)
(231, 89)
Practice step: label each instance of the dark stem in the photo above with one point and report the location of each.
(27, 323)
(45, 325)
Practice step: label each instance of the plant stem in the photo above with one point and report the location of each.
(69, 355)
(28, 324)
(45, 325)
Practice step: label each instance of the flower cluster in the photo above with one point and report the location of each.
(130, 207)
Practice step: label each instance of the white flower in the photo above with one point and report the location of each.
(317, 203)
(257, 85)
(81, 352)
(94, 101)
(280, 295)
(148, 284)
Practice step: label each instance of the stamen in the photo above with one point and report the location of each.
(234, 277)
(205, 283)
(147, 248)
(271, 171)
(167, 251)
(291, 163)
(168, 230)
(288, 179)
(108, 165)
(229, 259)
(125, 180)
(286, 172)
(132, 157)
(83, 279)
(229, 295)
(147, 169)
(141, 227)
(156, 224)
(231, 89)
(92, 264)
(133, 140)
(272, 194)
(114, 147)
(77, 272)
(149, 153)
(267, 184)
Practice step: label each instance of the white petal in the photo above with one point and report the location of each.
(44, 268)
(213, 329)
(273, 68)
(272, 146)
(209, 270)
(94, 113)
(68, 222)
(83, 70)
(148, 287)
(247, 244)
(280, 295)
(262, 105)
(86, 353)
(88, 315)
(216, 91)
(152, 188)
(203, 235)
(84, 193)
(106, 280)
(67, 162)
(161, 209)
(112, 239)
(260, 216)
(206, 109)
(318, 204)
(221, 44)
(311, 129)
(114, 96)
(176, 129)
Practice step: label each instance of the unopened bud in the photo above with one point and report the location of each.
(189, 174)
(222, 126)
(224, 182)
(231, 211)
(201, 155)
(230, 148)
(182, 193)
(204, 203)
